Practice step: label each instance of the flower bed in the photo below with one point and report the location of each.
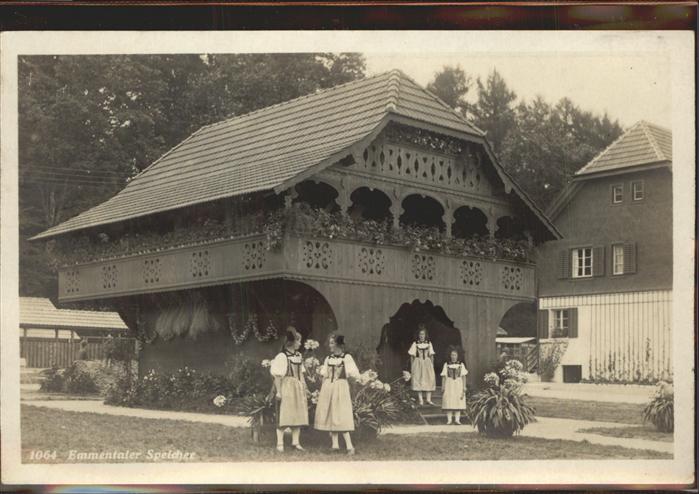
(275, 225)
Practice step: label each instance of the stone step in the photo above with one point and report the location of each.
(30, 376)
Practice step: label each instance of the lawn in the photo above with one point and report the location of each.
(50, 430)
(647, 432)
(625, 413)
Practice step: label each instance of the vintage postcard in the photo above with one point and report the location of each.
(348, 258)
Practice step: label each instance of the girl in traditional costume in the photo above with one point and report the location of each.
(290, 385)
(422, 366)
(454, 387)
(334, 409)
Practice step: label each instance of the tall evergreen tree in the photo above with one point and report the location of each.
(451, 85)
(493, 111)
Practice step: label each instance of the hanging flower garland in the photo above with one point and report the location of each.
(269, 333)
(239, 337)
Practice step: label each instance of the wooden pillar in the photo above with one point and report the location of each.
(448, 218)
(396, 207)
(343, 196)
(289, 197)
(492, 224)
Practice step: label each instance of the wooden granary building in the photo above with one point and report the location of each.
(366, 208)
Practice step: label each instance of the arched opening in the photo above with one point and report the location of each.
(509, 227)
(317, 195)
(422, 211)
(516, 335)
(401, 330)
(370, 205)
(240, 321)
(469, 222)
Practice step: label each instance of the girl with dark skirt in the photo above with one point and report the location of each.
(290, 385)
(334, 409)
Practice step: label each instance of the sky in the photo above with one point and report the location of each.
(628, 87)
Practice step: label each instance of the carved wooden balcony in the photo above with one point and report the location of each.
(298, 257)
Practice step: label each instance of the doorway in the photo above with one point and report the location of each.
(401, 330)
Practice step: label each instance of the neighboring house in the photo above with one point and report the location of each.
(605, 289)
(214, 249)
(48, 333)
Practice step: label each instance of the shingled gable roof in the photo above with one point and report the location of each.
(269, 148)
(643, 145)
(35, 312)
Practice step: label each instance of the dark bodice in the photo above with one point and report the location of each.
(294, 363)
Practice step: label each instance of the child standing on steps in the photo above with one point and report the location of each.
(454, 387)
(422, 365)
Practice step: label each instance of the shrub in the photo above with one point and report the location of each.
(500, 409)
(53, 380)
(247, 376)
(660, 411)
(79, 380)
(550, 355)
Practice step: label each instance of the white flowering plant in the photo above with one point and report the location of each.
(660, 411)
(500, 409)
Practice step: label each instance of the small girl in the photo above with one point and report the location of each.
(454, 387)
(288, 372)
(334, 409)
(422, 365)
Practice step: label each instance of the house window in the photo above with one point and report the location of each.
(618, 259)
(582, 262)
(561, 323)
(617, 194)
(637, 191)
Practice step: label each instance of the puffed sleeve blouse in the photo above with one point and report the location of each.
(351, 369)
(413, 348)
(279, 365)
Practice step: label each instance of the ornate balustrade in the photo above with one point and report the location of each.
(297, 257)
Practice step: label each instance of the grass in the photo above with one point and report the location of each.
(56, 430)
(647, 432)
(625, 413)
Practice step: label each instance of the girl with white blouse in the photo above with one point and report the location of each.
(422, 366)
(334, 409)
(290, 385)
(454, 387)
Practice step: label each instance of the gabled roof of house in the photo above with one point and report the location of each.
(643, 144)
(35, 312)
(269, 148)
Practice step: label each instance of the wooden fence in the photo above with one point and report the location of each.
(44, 352)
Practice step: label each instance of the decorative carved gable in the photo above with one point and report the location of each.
(413, 155)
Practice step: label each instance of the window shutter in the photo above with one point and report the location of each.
(598, 261)
(573, 322)
(564, 264)
(630, 257)
(542, 331)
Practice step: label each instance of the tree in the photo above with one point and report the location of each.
(451, 85)
(493, 111)
(87, 124)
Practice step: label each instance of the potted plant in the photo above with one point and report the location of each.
(660, 411)
(500, 409)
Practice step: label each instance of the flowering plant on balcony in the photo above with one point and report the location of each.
(300, 219)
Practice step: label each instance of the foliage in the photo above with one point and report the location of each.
(451, 85)
(550, 355)
(301, 220)
(660, 411)
(247, 376)
(88, 124)
(52, 380)
(500, 409)
(119, 349)
(78, 379)
(188, 389)
(493, 111)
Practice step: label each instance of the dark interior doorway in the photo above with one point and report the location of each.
(399, 333)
